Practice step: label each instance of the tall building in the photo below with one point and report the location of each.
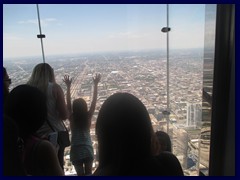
(194, 114)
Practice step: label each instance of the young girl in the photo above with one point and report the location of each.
(81, 153)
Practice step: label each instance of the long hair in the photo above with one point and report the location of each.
(123, 131)
(164, 141)
(42, 74)
(80, 114)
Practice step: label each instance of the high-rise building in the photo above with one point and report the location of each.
(194, 114)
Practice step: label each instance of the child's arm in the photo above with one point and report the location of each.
(96, 80)
(68, 83)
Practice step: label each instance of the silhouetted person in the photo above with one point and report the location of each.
(6, 83)
(81, 153)
(164, 141)
(26, 105)
(124, 134)
(12, 161)
(12, 149)
(155, 145)
(43, 78)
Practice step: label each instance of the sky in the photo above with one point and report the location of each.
(80, 28)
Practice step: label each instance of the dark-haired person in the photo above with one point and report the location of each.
(124, 133)
(12, 149)
(27, 106)
(164, 141)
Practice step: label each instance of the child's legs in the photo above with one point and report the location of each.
(88, 167)
(79, 168)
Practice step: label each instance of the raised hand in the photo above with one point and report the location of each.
(96, 79)
(67, 80)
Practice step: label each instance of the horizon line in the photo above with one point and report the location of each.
(97, 52)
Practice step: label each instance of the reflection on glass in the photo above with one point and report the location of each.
(208, 66)
(186, 84)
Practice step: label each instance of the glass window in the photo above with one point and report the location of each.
(125, 44)
(186, 47)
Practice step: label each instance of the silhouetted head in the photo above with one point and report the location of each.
(80, 112)
(42, 74)
(123, 131)
(26, 105)
(164, 141)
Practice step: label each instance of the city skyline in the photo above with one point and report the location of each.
(142, 74)
(84, 28)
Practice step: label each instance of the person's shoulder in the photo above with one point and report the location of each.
(167, 157)
(47, 159)
(45, 142)
(56, 86)
(166, 154)
(45, 146)
(170, 164)
(38, 146)
(56, 89)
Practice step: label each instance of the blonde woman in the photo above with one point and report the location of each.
(43, 78)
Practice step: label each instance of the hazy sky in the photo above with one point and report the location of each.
(77, 28)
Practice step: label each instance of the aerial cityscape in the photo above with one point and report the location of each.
(143, 74)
